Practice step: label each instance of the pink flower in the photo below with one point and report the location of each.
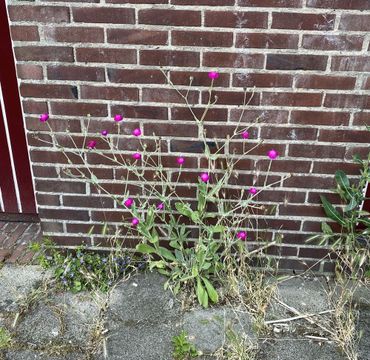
(213, 75)
(180, 160)
(128, 202)
(118, 117)
(104, 133)
(91, 144)
(44, 117)
(204, 177)
(241, 235)
(136, 132)
(160, 206)
(136, 156)
(135, 222)
(272, 154)
(245, 135)
(253, 191)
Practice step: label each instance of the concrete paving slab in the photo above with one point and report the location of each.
(34, 355)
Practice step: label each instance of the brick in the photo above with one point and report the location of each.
(351, 63)
(47, 199)
(345, 136)
(366, 83)
(169, 17)
(296, 62)
(78, 109)
(136, 76)
(100, 173)
(231, 97)
(24, 33)
(104, 55)
(291, 99)
(202, 38)
(48, 90)
(363, 152)
(29, 72)
(44, 53)
(319, 118)
(309, 181)
(265, 116)
(199, 78)
(169, 58)
(286, 166)
(236, 19)
(252, 149)
(347, 101)
(339, 4)
(332, 42)
(34, 124)
(74, 1)
(63, 214)
(325, 82)
(172, 130)
(106, 15)
(141, 112)
(188, 146)
(136, 1)
(267, 41)
(233, 60)
(60, 186)
(361, 118)
(74, 34)
(44, 172)
(302, 21)
(60, 72)
(109, 93)
(262, 80)
(290, 133)
(53, 157)
(317, 151)
(137, 36)
(320, 167)
(203, 2)
(168, 95)
(351, 22)
(34, 107)
(88, 201)
(271, 3)
(40, 14)
(39, 140)
(184, 113)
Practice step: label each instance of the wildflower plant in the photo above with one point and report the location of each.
(194, 243)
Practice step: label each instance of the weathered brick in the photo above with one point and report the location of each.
(44, 53)
(267, 41)
(109, 93)
(169, 95)
(198, 78)
(58, 72)
(332, 42)
(288, 166)
(104, 15)
(320, 167)
(24, 33)
(136, 1)
(58, 186)
(45, 172)
(265, 116)
(202, 38)
(271, 3)
(361, 118)
(34, 107)
(352, 22)
(137, 76)
(169, 17)
(339, 4)
(48, 90)
(302, 21)
(309, 181)
(317, 151)
(172, 130)
(347, 101)
(236, 19)
(231, 97)
(351, 63)
(290, 133)
(79, 109)
(54, 157)
(141, 112)
(41, 14)
(345, 136)
(137, 36)
(29, 71)
(262, 80)
(319, 118)
(184, 113)
(234, 60)
(47, 199)
(104, 55)
(169, 58)
(291, 99)
(87, 201)
(204, 2)
(74, 34)
(296, 62)
(325, 82)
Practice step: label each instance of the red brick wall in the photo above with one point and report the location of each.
(307, 60)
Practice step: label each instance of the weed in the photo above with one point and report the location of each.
(183, 349)
(5, 338)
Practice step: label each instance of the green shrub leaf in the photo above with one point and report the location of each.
(331, 212)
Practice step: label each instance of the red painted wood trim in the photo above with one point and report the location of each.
(14, 116)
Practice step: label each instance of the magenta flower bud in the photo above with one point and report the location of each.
(118, 117)
(180, 160)
(253, 191)
(128, 202)
(104, 133)
(245, 135)
(204, 177)
(91, 144)
(213, 75)
(44, 117)
(135, 222)
(136, 156)
(241, 235)
(160, 206)
(272, 154)
(136, 132)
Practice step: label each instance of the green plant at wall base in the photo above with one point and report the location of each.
(183, 349)
(352, 243)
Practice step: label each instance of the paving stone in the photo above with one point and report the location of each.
(64, 318)
(297, 349)
(16, 282)
(364, 328)
(207, 328)
(33, 355)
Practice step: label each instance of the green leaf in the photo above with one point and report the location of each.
(331, 212)
(94, 179)
(154, 238)
(352, 205)
(195, 216)
(342, 179)
(174, 244)
(218, 228)
(183, 209)
(165, 253)
(212, 293)
(145, 248)
(202, 294)
(326, 229)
